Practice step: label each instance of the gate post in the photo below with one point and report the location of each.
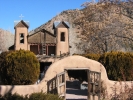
(94, 85)
(88, 74)
(61, 84)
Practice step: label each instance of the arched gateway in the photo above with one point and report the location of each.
(55, 76)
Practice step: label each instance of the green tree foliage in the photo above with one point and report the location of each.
(19, 68)
(33, 96)
(15, 96)
(43, 96)
(3, 57)
(92, 56)
(2, 63)
(119, 65)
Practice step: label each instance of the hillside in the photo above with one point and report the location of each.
(107, 27)
(98, 28)
(6, 40)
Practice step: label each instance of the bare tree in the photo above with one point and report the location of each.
(2, 43)
(106, 28)
(6, 40)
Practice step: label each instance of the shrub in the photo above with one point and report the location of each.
(43, 96)
(33, 96)
(2, 62)
(19, 68)
(3, 57)
(119, 65)
(92, 56)
(37, 96)
(15, 96)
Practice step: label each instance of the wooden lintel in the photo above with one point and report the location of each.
(47, 44)
(50, 44)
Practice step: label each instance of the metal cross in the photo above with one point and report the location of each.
(21, 16)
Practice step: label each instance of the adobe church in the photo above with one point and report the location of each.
(43, 42)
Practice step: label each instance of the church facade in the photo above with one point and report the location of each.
(43, 42)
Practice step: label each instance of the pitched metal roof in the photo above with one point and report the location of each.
(26, 22)
(67, 23)
(56, 23)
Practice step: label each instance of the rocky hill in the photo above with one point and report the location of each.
(6, 40)
(98, 28)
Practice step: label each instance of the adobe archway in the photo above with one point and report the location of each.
(82, 62)
(71, 62)
(74, 62)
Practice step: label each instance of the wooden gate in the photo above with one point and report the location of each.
(61, 84)
(94, 85)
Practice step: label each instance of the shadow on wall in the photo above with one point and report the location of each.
(6, 90)
(0, 90)
(52, 86)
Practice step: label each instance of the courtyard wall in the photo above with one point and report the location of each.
(58, 67)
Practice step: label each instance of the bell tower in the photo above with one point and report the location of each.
(21, 33)
(62, 34)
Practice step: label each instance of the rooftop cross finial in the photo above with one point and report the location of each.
(21, 16)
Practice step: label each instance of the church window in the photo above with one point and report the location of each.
(21, 37)
(62, 36)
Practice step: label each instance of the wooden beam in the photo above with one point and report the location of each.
(38, 49)
(47, 49)
(47, 44)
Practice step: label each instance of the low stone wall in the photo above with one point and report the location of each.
(58, 67)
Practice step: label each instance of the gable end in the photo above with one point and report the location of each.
(21, 24)
(60, 24)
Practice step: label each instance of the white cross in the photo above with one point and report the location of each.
(21, 16)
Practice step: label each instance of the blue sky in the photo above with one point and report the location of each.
(37, 12)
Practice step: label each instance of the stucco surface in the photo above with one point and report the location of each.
(62, 46)
(19, 45)
(75, 62)
(58, 67)
(20, 89)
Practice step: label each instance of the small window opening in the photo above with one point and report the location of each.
(62, 36)
(21, 37)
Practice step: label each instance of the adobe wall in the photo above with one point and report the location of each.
(58, 67)
(62, 46)
(19, 45)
